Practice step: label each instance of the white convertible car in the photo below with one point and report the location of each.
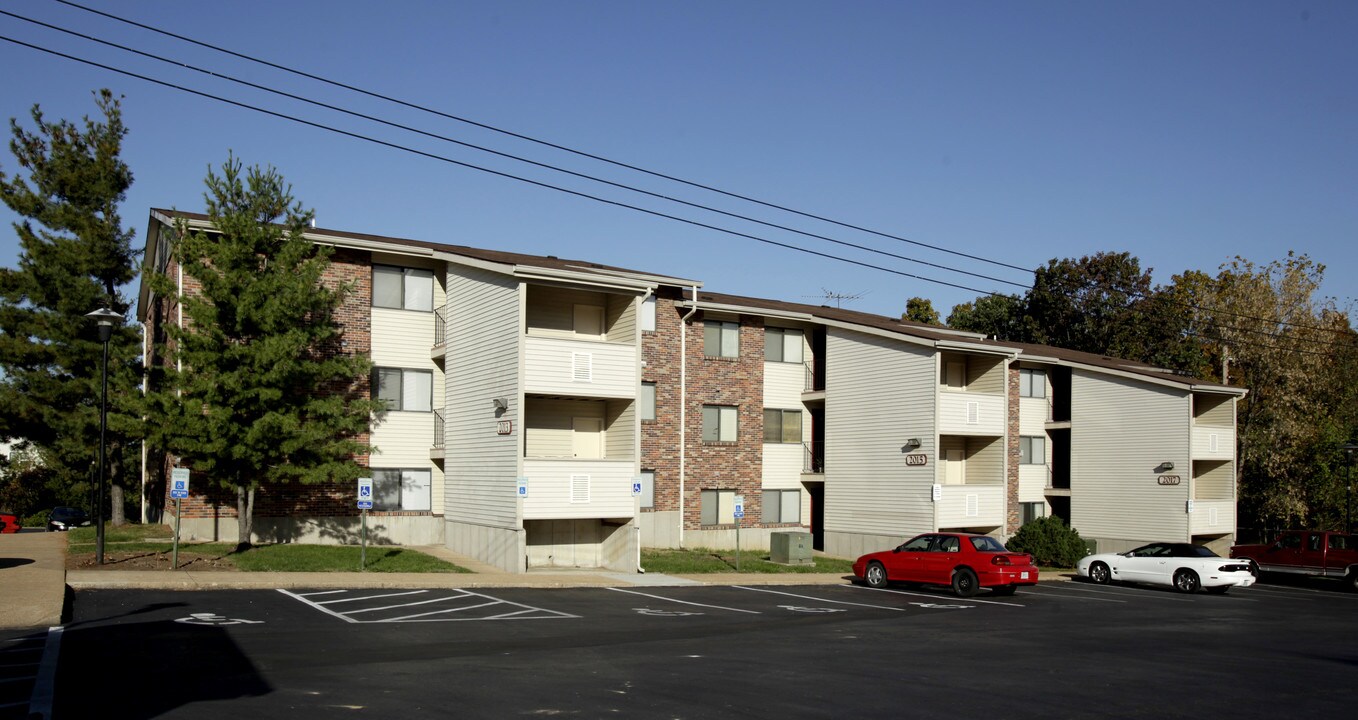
(1184, 566)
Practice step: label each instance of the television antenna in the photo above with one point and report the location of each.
(838, 298)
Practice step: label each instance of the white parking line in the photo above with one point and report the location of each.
(1122, 591)
(371, 597)
(683, 602)
(413, 604)
(1049, 591)
(934, 596)
(518, 614)
(1288, 590)
(818, 599)
(44, 690)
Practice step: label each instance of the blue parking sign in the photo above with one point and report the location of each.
(365, 493)
(179, 483)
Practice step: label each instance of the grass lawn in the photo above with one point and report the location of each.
(701, 560)
(151, 547)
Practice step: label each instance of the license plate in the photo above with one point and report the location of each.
(1023, 576)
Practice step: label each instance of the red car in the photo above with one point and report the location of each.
(965, 561)
(9, 523)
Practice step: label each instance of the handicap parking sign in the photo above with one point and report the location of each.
(740, 507)
(365, 493)
(179, 483)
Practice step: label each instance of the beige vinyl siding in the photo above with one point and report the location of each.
(1121, 431)
(1032, 416)
(552, 489)
(1214, 410)
(559, 366)
(957, 409)
(878, 393)
(620, 428)
(482, 363)
(547, 425)
(782, 468)
(985, 461)
(985, 373)
(1033, 481)
(1214, 480)
(783, 383)
(401, 339)
(620, 317)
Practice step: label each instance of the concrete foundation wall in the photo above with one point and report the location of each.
(382, 529)
(852, 545)
(725, 538)
(504, 548)
(659, 529)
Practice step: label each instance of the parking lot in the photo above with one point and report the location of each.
(1061, 649)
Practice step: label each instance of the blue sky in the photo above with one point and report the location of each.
(1184, 133)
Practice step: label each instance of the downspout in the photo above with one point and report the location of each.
(636, 522)
(145, 389)
(683, 406)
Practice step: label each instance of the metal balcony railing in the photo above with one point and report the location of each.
(813, 457)
(438, 427)
(440, 327)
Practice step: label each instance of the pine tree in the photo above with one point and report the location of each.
(267, 394)
(75, 257)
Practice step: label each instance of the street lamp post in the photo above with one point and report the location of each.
(106, 319)
(1348, 449)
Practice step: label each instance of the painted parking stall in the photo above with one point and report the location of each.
(447, 605)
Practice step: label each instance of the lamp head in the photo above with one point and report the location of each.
(106, 319)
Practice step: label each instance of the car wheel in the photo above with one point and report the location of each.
(1219, 589)
(1006, 590)
(1186, 581)
(1254, 569)
(1099, 573)
(964, 582)
(1352, 580)
(875, 575)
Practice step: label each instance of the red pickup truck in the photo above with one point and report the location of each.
(1306, 552)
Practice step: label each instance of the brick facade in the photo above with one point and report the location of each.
(349, 268)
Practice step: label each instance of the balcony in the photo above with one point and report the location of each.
(1212, 517)
(579, 368)
(440, 347)
(1213, 443)
(970, 506)
(970, 413)
(575, 489)
(813, 458)
(436, 449)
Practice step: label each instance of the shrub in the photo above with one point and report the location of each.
(1050, 542)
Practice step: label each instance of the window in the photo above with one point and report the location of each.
(1032, 383)
(718, 507)
(919, 544)
(648, 489)
(719, 423)
(401, 489)
(782, 506)
(1033, 450)
(721, 339)
(403, 288)
(948, 543)
(1032, 511)
(648, 315)
(408, 390)
(782, 426)
(782, 345)
(647, 401)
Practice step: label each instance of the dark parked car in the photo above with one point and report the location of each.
(9, 523)
(65, 518)
(964, 561)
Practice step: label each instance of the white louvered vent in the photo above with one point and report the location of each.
(582, 367)
(973, 413)
(973, 505)
(1212, 442)
(579, 488)
(1212, 514)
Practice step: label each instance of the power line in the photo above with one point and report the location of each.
(554, 187)
(499, 173)
(563, 148)
(317, 103)
(545, 143)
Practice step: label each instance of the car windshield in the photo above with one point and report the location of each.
(987, 544)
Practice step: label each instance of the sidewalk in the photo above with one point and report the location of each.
(33, 578)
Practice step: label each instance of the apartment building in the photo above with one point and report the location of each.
(558, 413)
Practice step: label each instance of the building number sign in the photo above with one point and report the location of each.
(917, 459)
(1168, 480)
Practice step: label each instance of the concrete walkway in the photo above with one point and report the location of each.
(33, 578)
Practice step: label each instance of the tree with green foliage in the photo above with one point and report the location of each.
(268, 394)
(1089, 304)
(921, 310)
(1050, 541)
(75, 257)
(1003, 317)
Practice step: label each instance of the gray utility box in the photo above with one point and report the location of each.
(790, 548)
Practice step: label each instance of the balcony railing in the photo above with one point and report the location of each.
(813, 457)
(440, 327)
(438, 427)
